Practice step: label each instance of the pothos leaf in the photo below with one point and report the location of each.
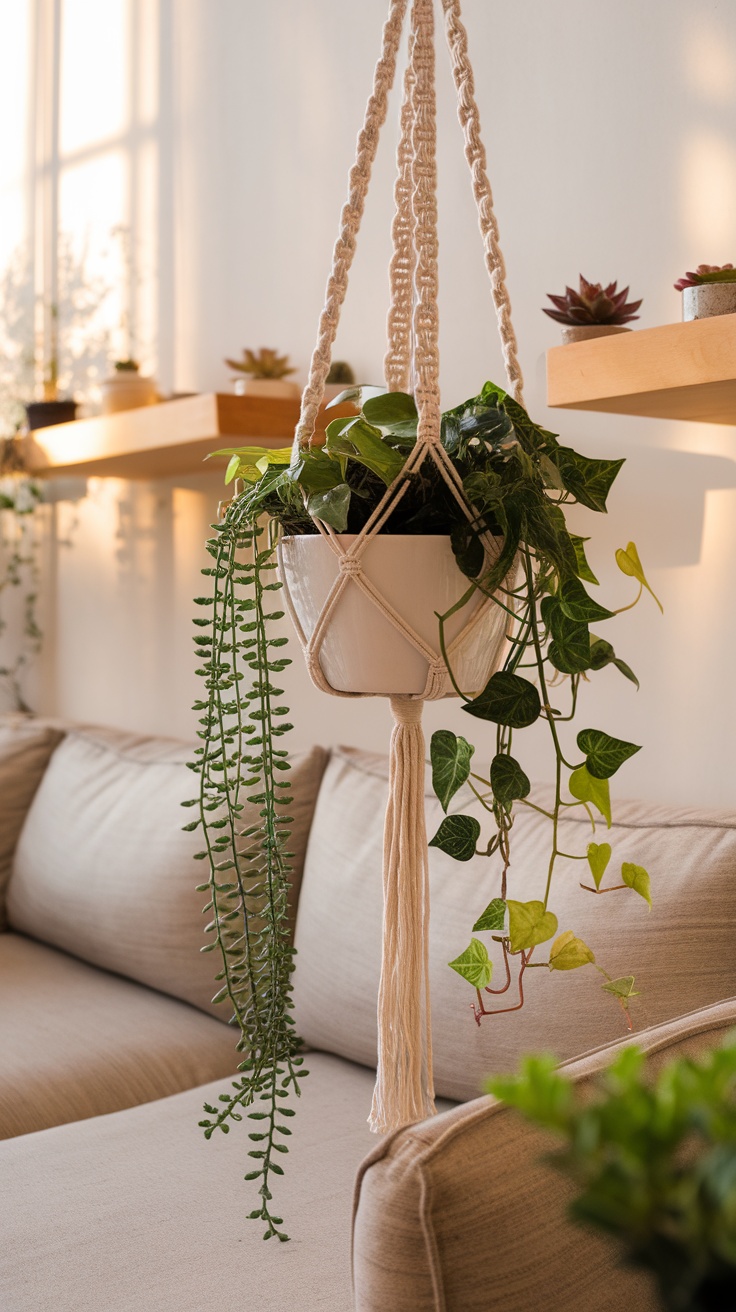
(629, 563)
(493, 916)
(586, 788)
(577, 605)
(604, 754)
(331, 506)
(468, 550)
(602, 654)
(474, 964)
(584, 571)
(588, 480)
(529, 924)
(507, 699)
(508, 781)
(391, 408)
(622, 988)
(599, 854)
(450, 755)
(568, 952)
(637, 878)
(457, 836)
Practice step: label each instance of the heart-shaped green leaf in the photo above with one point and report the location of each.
(508, 781)
(474, 964)
(332, 506)
(599, 854)
(587, 788)
(621, 988)
(568, 952)
(450, 755)
(637, 878)
(577, 605)
(629, 563)
(588, 480)
(391, 408)
(507, 699)
(457, 836)
(602, 654)
(529, 924)
(604, 754)
(493, 916)
(584, 570)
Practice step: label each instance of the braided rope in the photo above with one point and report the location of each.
(475, 154)
(424, 201)
(397, 362)
(350, 218)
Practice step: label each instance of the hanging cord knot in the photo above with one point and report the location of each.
(351, 565)
(406, 711)
(436, 680)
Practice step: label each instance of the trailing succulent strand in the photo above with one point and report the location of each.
(242, 804)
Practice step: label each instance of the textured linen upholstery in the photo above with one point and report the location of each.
(104, 871)
(77, 1042)
(145, 1216)
(25, 748)
(459, 1214)
(681, 952)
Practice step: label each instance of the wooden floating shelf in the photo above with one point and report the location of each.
(678, 371)
(158, 441)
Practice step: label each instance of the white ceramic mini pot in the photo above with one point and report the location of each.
(708, 299)
(277, 389)
(362, 651)
(584, 331)
(126, 389)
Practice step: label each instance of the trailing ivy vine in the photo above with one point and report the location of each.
(516, 548)
(20, 497)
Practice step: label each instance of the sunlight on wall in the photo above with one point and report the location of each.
(710, 66)
(14, 35)
(709, 195)
(94, 57)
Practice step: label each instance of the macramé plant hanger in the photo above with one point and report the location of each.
(404, 1089)
(447, 567)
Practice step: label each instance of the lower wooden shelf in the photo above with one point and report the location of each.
(678, 371)
(160, 441)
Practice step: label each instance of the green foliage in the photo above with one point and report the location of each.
(20, 497)
(654, 1160)
(450, 755)
(457, 835)
(529, 924)
(474, 964)
(241, 763)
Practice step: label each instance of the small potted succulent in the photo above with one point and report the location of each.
(127, 389)
(264, 373)
(709, 291)
(339, 377)
(593, 311)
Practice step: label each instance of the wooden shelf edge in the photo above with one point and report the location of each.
(677, 371)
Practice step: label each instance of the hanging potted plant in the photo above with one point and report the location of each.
(264, 373)
(593, 311)
(443, 535)
(709, 291)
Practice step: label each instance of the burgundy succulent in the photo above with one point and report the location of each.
(593, 304)
(707, 273)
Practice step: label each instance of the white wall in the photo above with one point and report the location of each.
(610, 131)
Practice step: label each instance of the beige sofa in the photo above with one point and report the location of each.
(109, 1045)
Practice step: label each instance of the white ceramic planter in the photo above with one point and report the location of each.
(362, 651)
(277, 389)
(126, 390)
(707, 300)
(584, 331)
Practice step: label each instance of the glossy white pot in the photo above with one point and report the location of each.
(362, 651)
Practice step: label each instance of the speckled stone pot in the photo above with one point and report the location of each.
(582, 332)
(707, 300)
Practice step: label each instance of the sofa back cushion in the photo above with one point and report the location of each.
(25, 748)
(104, 871)
(681, 952)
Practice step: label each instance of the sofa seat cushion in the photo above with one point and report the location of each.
(104, 870)
(462, 1212)
(25, 747)
(138, 1211)
(681, 952)
(77, 1042)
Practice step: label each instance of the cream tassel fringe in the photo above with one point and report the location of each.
(404, 1090)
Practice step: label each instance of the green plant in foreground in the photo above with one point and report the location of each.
(655, 1161)
(516, 548)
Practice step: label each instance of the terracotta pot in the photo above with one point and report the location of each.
(42, 414)
(584, 331)
(362, 651)
(126, 389)
(279, 389)
(707, 300)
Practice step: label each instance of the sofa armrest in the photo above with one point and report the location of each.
(461, 1214)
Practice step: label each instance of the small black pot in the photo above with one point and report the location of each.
(41, 414)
